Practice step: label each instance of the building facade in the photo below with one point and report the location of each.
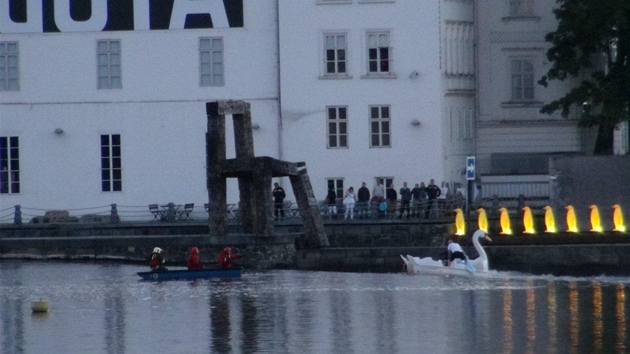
(108, 105)
(104, 103)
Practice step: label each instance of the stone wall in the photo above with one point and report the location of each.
(584, 180)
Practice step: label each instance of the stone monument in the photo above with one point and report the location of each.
(254, 176)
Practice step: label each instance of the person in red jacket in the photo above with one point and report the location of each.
(226, 256)
(156, 261)
(193, 259)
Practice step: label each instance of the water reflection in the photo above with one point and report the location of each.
(105, 309)
(620, 317)
(552, 318)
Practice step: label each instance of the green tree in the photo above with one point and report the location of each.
(592, 45)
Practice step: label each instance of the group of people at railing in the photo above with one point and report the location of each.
(385, 202)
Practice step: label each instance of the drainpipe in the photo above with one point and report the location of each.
(280, 147)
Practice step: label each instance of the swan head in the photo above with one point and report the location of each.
(482, 235)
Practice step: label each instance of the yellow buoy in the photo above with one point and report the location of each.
(618, 219)
(506, 228)
(596, 224)
(483, 219)
(528, 221)
(571, 219)
(40, 306)
(460, 224)
(550, 220)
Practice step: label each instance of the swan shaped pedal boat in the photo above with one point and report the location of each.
(427, 265)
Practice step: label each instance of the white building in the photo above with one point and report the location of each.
(107, 106)
(377, 89)
(110, 108)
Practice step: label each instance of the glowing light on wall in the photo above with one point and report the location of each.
(571, 219)
(596, 223)
(506, 228)
(483, 219)
(618, 219)
(460, 224)
(528, 221)
(550, 220)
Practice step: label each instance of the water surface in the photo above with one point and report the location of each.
(104, 308)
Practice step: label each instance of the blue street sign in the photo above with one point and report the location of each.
(470, 168)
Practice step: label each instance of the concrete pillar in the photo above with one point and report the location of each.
(17, 215)
(263, 201)
(309, 209)
(113, 215)
(217, 189)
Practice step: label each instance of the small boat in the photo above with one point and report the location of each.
(429, 266)
(185, 274)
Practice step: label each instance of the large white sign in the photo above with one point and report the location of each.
(39, 16)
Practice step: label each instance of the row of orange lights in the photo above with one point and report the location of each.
(550, 223)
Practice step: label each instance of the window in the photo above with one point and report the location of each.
(111, 166)
(379, 60)
(9, 74)
(462, 123)
(109, 67)
(337, 127)
(9, 165)
(379, 126)
(385, 181)
(521, 7)
(211, 62)
(335, 51)
(337, 185)
(522, 78)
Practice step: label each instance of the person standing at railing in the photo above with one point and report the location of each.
(433, 192)
(405, 200)
(416, 195)
(331, 200)
(278, 200)
(378, 192)
(442, 198)
(364, 199)
(348, 202)
(392, 198)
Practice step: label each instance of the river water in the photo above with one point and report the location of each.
(104, 308)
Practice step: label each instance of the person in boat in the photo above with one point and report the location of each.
(156, 261)
(193, 259)
(226, 256)
(454, 252)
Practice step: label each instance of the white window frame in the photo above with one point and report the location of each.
(337, 183)
(522, 82)
(519, 8)
(109, 64)
(376, 41)
(211, 62)
(9, 165)
(9, 66)
(111, 163)
(380, 117)
(337, 127)
(385, 181)
(337, 50)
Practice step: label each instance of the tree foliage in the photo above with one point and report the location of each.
(592, 45)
